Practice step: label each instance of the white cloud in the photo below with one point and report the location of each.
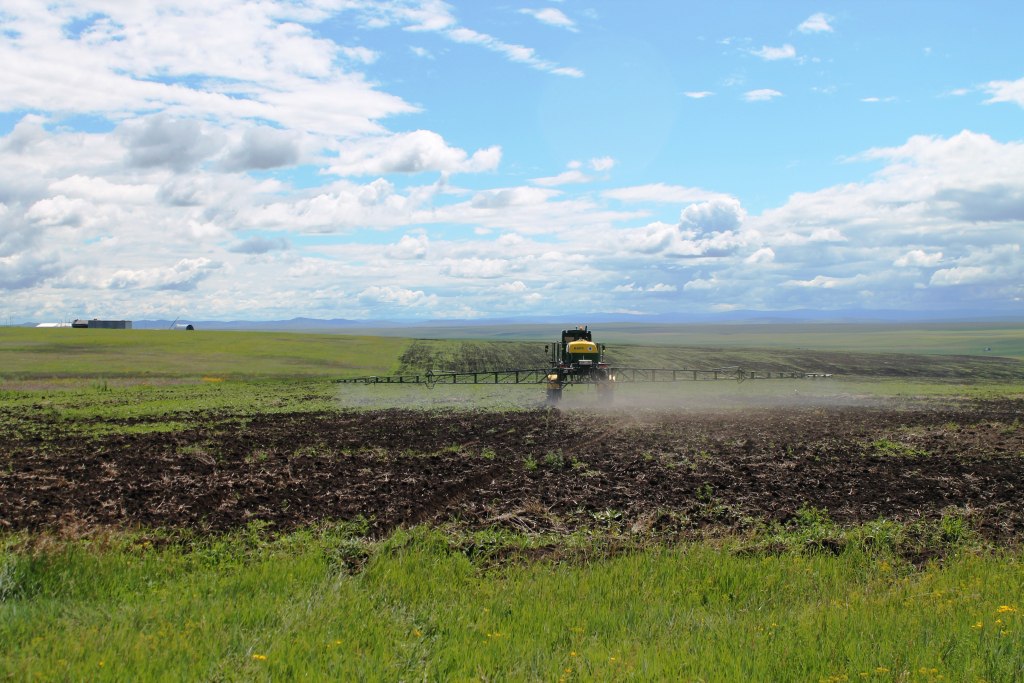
(827, 282)
(474, 268)
(960, 275)
(661, 287)
(513, 52)
(761, 95)
(515, 287)
(254, 61)
(414, 152)
(662, 193)
(552, 17)
(1005, 91)
(771, 54)
(182, 276)
(762, 255)
(397, 296)
(22, 271)
(601, 164)
(698, 94)
(717, 215)
(571, 176)
(816, 23)
(262, 147)
(409, 247)
(918, 258)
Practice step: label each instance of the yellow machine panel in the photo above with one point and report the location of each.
(581, 346)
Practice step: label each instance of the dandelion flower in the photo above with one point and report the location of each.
(1003, 609)
(259, 658)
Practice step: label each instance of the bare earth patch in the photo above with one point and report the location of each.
(534, 470)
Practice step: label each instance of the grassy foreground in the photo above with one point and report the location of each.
(249, 608)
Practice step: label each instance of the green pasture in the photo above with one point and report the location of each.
(34, 353)
(328, 604)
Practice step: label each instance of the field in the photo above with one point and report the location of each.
(212, 506)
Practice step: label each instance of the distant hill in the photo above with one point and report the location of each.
(746, 317)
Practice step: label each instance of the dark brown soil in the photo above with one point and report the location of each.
(539, 470)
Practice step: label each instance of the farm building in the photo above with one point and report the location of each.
(96, 323)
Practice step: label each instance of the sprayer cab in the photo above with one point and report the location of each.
(577, 359)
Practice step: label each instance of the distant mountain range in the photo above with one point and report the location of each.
(731, 317)
(745, 317)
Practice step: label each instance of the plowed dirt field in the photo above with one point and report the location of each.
(533, 470)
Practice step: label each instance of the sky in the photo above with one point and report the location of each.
(420, 159)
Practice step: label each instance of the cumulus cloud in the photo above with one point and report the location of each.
(816, 23)
(1005, 91)
(508, 197)
(396, 296)
(262, 147)
(254, 62)
(918, 258)
(698, 94)
(472, 268)
(514, 287)
(161, 140)
(414, 152)
(21, 271)
(771, 54)
(762, 255)
(410, 247)
(183, 276)
(718, 215)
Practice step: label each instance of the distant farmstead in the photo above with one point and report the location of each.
(96, 323)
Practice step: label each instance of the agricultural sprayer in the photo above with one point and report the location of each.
(576, 359)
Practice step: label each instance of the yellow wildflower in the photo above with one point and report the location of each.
(1003, 609)
(259, 657)
(881, 670)
(978, 625)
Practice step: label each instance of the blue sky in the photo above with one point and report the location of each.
(427, 159)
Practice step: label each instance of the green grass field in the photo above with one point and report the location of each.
(33, 353)
(247, 608)
(440, 604)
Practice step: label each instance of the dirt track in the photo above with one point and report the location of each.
(528, 470)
